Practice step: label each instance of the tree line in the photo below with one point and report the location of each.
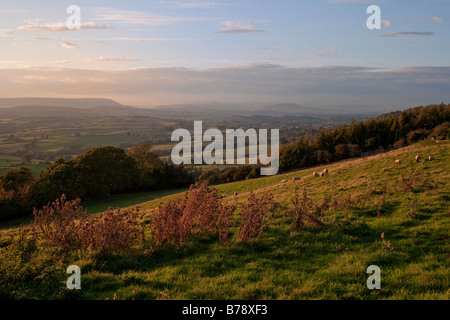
(388, 131)
(96, 174)
(105, 171)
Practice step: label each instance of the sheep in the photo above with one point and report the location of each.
(284, 181)
(322, 174)
(236, 194)
(398, 161)
(430, 158)
(418, 158)
(224, 196)
(296, 178)
(315, 174)
(137, 208)
(325, 171)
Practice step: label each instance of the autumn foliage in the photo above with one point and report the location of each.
(199, 213)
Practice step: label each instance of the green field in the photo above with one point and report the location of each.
(8, 163)
(309, 263)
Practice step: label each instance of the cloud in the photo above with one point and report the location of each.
(386, 23)
(111, 59)
(68, 45)
(195, 4)
(139, 17)
(238, 27)
(13, 11)
(406, 34)
(142, 39)
(34, 64)
(328, 52)
(57, 27)
(263, 84)
(6, 33)
(437, 20)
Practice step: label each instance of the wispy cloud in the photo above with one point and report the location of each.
(68, 45)
(436, 20)
(195, 4)
(328, 52)
(406, 34)
(111, 59)
(140, 17)
(141, 39)
(57, 26)
(13, 11)
(386, 23)
(238, 27)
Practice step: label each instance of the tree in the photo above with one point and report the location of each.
(16, 180)
(26, 158)
(14, 193)
(57, 179)
(105, 171)
(149, 164)
(145, 158)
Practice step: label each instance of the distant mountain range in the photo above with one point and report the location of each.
(58, 107)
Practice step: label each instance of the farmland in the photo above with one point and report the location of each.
(48, 138)
(380, 213)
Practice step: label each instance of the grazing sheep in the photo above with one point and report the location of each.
(296, 178)
(398, 161)
(430, 158)
(325, 171)
(315, 174)
(322, 174)
(236, 193)
(285, 181)
(417, 158)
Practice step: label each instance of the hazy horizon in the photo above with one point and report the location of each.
(146, 54)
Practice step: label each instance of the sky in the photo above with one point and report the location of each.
(148, 53)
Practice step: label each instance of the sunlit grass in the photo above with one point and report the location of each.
(309, 263)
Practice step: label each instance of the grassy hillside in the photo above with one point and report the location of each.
(408, 203)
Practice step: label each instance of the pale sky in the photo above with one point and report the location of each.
(147, 53)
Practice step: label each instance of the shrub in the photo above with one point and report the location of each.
(303, 209)
(255, 216)
(200, 213)
(167, 227)
(55, 225)
(65, 226)
(113, 231)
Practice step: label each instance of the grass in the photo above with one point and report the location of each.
(126, 200)
(310, 263)
(8, 163)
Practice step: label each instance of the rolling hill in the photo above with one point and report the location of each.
(376, 212)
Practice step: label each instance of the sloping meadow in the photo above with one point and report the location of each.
(308, 238)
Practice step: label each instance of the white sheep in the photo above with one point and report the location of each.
(236, 193)
(315, 174)
(430, 158)
(398, 161)
(325, 171)
(322, 174)
(418, 158)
